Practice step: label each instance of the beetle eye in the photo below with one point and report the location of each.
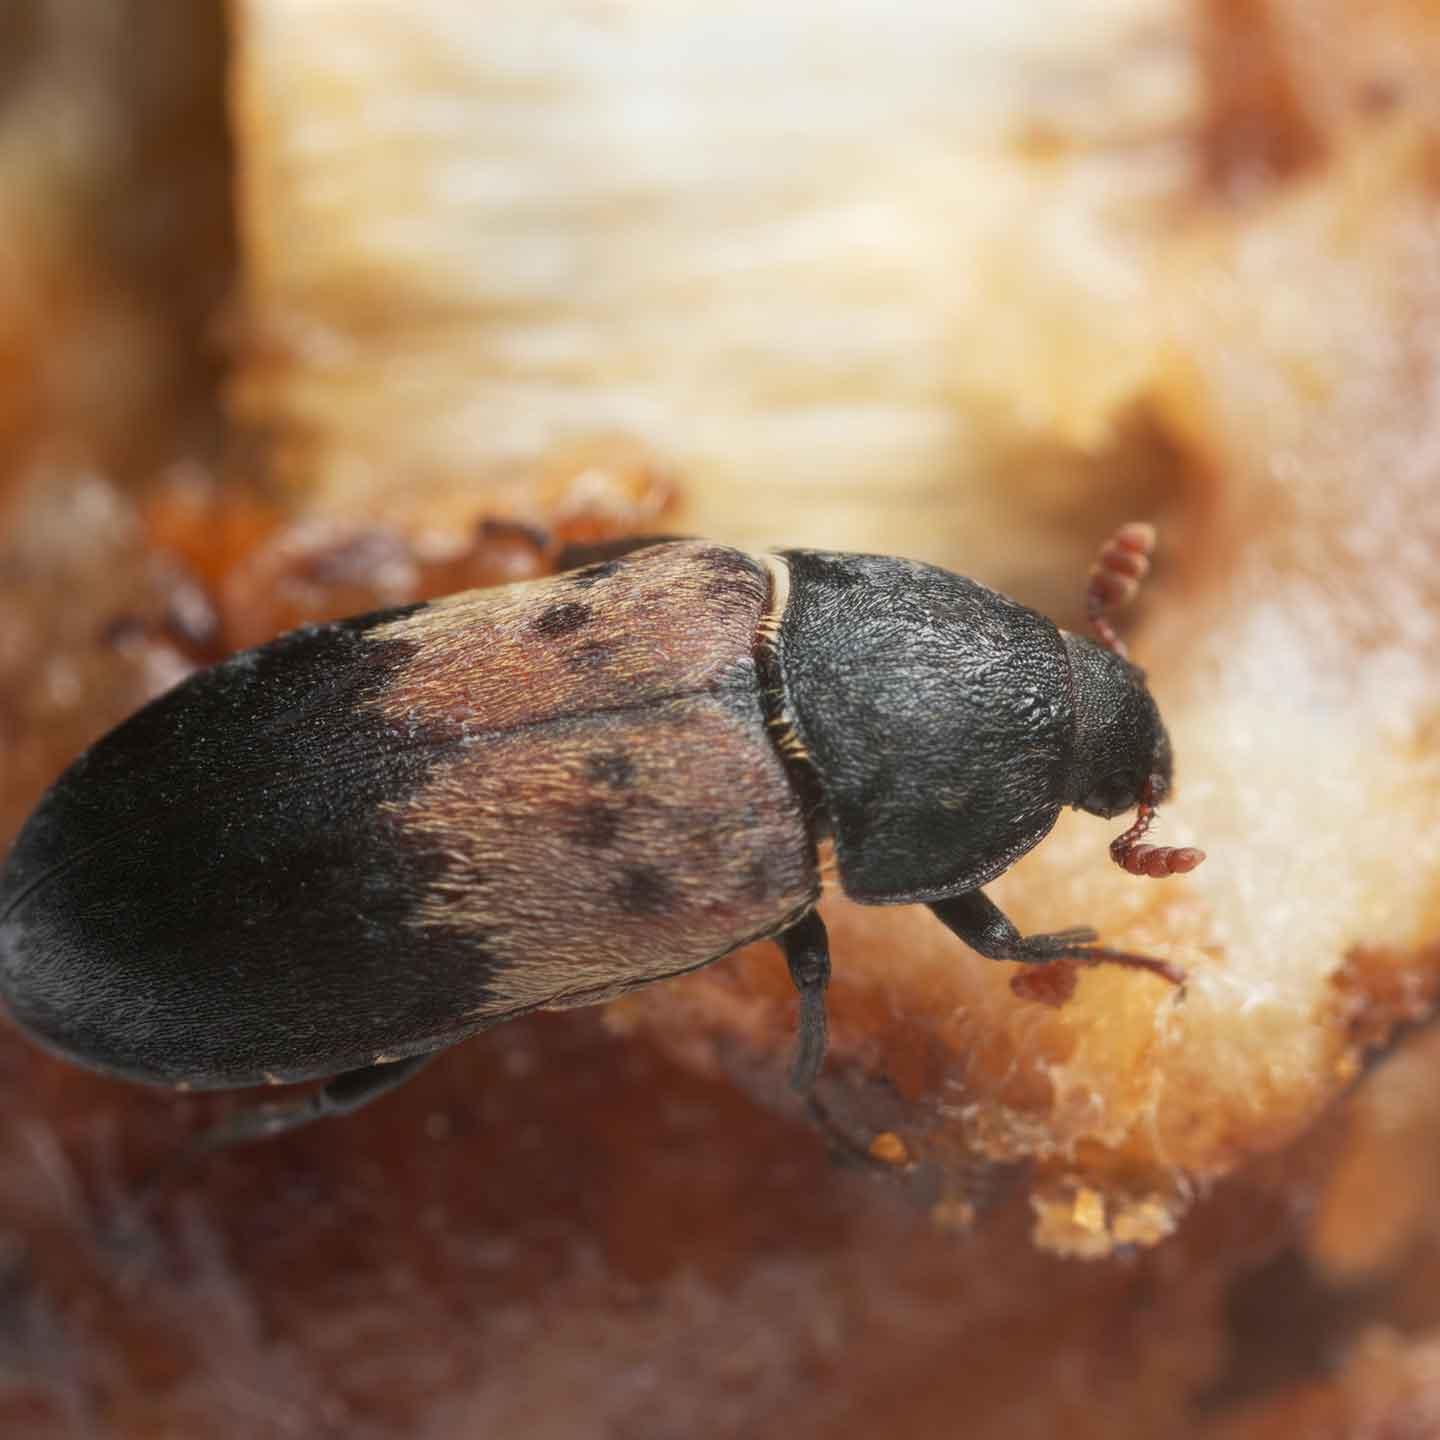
(1115, 793)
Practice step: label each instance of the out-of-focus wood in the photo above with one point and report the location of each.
(839, 267)
(116, 243)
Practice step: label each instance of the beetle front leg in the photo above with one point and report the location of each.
(984, 927)
(807, 952)
(342, 1095)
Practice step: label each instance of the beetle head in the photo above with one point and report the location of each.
(1121, 748)
(1121, 759)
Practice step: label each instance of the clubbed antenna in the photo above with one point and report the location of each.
(1123, 562)
(1156, 861)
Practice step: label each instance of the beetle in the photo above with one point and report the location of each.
(341, 852)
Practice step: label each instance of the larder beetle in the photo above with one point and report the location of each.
(341, 852)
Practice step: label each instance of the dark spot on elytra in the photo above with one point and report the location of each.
(592, 574)
(563, 620)
(758, 882)
(597, 826)
(593, 656)
(724, 561)
(643, 890)
(616, 771)
(734, 574)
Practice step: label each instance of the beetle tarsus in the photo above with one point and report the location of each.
(343, 1095)
(1060, 945)
(985, 928)
(807, 952)
(1103, 955)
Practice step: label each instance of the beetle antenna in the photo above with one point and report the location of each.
(1123, 562)
(1156, 861)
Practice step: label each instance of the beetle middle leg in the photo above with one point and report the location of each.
(342, 1095)
(984, 927)
(807, 952)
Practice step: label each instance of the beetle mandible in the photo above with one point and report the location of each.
(341, 852)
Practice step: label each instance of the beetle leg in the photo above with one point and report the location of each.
(984, 927)
(807, 952)
(341, 1096)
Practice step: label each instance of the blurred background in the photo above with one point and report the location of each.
(311, 306)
